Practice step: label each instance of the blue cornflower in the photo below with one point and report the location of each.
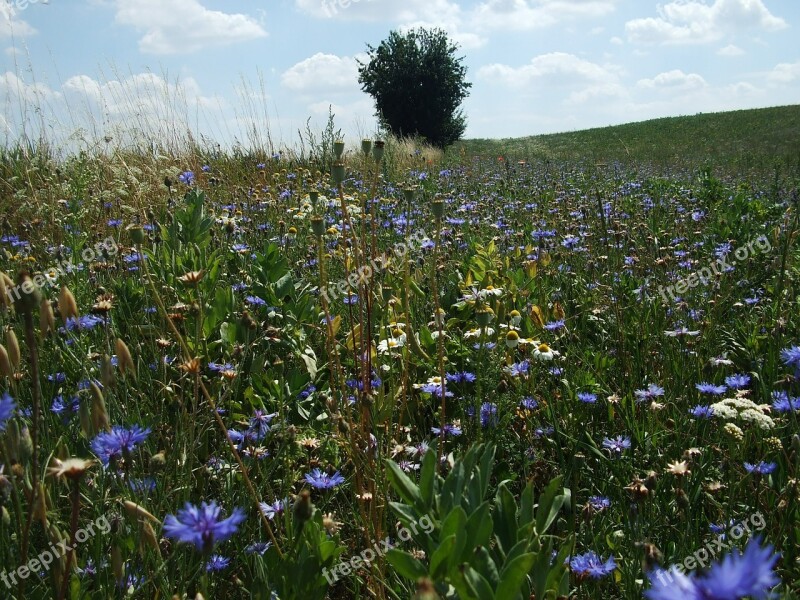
(255, 301)
(7, 406)
(142, 486)
(761, 468)
(259, 424)
(258, 548)
(186, 177)
(323, 481)
(57, 377)
(599, 502)
(448, 430)
(617, 445)
(309, 389)
(218, 368)
(710, 388)
(112, 445)
(653, 391)
(782, 403)
(351, 299)
(737, 382)
(554, 325)
(272, 510)
(702, 412)
(738, 575)
(65, 408)
(217, 562)
(587, 397)
(462, 377)
(488, 414)
(791, 358)
(591, 565)
(202, 526)
(528, 403)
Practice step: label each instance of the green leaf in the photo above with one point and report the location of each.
(478, 583)
(427, 478)
(550, 502)
(401, 483)
(505, 518)
(513, 575)
(406, 565)
(439, 558)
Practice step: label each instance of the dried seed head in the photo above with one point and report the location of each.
(47, 321)
(5, 364)
(67, 306)
(124, 358)
(12, 345)
(99, 412)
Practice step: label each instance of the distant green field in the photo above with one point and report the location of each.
(744, 140)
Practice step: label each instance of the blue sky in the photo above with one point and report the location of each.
(84, 69)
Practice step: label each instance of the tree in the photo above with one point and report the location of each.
(417, 83)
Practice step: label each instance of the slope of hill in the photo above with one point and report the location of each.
(754, 139)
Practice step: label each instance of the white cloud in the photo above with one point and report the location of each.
(466, 41)
(10, 24)
(785, 73)
(403, 11)
(184, 26)
(323, 72)
(730, 50)
(557, 68)
(13, 88)
(695, 22)
(537, 14)
(673, 80)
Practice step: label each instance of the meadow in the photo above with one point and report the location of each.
(553, 367)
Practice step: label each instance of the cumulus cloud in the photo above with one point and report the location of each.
(10, 23)
(537, 14)
(323, 72)
(184, 26)
(785, 73)
(695, 22)
(557, 68)
(730, 50)
(403, 11)
(673, 80)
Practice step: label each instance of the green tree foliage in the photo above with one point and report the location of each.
(418, 84)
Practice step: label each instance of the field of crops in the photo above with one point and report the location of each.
(474, 376)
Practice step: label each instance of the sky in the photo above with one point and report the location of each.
(263, 72)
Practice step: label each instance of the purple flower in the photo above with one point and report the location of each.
(738, 575)
(599, 502)
(791, 358)
(202, 526)
(112, 445)
(488, 414)
(217, 563)
(761, 468)
(258, 548)
(587, 397)
(528, 403)
(186, 177)
(554, 325)
(591, 565)
(710, 388)
(259, 425)
(272, 510)
(448, 430)
(617, 445)
(702, 412)
(653, 391)
(737, 382)
(323, 481)
(7, 406)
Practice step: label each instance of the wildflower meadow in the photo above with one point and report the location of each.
(384, 371)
